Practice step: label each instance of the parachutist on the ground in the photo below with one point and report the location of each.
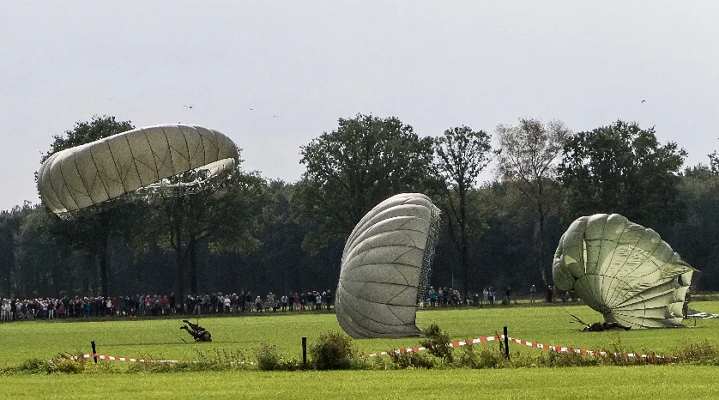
(604, 326)
(199, 333)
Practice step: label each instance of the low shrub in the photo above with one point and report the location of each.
(699, 353)
(480, 357)
(214, 360)
(559, 359)
(35, 366)
(333, 351)
(269, 359)
(60, 364)
(437, 343)
(404, 360)
(65, 364)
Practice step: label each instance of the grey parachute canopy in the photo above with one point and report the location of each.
(87, 175)
(386, 267)
(622, 270)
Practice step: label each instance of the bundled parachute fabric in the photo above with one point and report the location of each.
(695, 314)
(386, 267)
(623, 270)
(92, 173)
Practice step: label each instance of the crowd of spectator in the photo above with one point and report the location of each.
(159, 305)
(445, 297)
(218, 303)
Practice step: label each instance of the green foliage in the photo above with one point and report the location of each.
(481, 357)
(623, 169)
(462, 154)
(695, 237)
(404, 360)
(353, 168)
(333, 350)
(438, 343)
(701, 353)
(33, 248)
(69, 363)
(62, 363)
(226, 214)
(528, 152)
(90, 233)
(210, 360)
(35, 366)
(270, 359)
(714, 163)
(527, 162)
(10, 223)
(88, 131)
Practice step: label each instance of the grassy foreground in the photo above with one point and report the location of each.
(161, 339)
(648, 382)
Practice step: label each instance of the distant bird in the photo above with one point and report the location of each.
(186, 106)
(274, 116)
(644, 101)
(251, 109)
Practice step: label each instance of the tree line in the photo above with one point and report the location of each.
(245, 232)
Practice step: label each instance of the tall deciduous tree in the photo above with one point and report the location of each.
(91, 232)
(353, 168)
(696, 238)
(622, 168)
(462, 154)
(714, 163)
(225, 213)
(10, 224)
(527, 160)
(39, 266)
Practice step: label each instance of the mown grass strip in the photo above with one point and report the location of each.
(651, 382)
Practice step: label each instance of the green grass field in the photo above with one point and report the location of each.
(160, 338)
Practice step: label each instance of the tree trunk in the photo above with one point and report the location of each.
(542, 232)
(8, 276)
(542, 245)
(179, 260)
(191, 248)
(463, 238)
(104, 285)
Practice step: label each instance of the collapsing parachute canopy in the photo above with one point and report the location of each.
(386, 267)
(87, 175)
(623, 270)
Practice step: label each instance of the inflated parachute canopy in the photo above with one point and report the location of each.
(386, 267)
(87, 175)
(623, 270)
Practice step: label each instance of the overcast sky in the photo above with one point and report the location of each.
(273, 75)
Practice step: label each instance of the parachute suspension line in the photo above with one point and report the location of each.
(426, 272)
(573, 316)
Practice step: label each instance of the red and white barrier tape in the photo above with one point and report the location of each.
(416, 349)
(124, 359)
(584, 351)
(136, 360)
(527, 343)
